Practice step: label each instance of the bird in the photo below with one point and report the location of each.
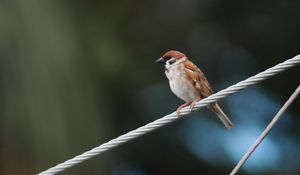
(189, 83)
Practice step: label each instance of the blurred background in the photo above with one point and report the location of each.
(75, 74)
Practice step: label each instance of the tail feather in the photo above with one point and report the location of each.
(222, 116)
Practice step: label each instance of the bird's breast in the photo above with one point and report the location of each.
(180, 85)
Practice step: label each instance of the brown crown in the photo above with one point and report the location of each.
(173, 53)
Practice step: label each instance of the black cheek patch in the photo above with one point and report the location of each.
(172, 61)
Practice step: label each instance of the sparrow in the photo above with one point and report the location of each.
(188, 83)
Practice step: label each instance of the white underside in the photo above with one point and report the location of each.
(180, 85)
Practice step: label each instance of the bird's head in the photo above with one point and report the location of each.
(171, 57)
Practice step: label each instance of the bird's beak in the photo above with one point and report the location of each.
(161, 60)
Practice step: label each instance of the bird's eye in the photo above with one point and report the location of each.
(166, 57)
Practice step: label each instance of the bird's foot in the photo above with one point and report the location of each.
(194, 103)
(180, 107)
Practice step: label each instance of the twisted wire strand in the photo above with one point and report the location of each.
(171, 117)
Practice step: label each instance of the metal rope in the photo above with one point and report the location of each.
(266, 131)
(171, 117)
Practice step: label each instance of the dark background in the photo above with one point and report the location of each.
(75, 74)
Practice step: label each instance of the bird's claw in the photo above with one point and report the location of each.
(194, 103)
(180, 107)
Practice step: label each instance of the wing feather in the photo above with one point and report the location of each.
(198, 79)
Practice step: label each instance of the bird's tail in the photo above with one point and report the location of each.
(222, 116)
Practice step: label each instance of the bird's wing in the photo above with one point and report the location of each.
(197, 78)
